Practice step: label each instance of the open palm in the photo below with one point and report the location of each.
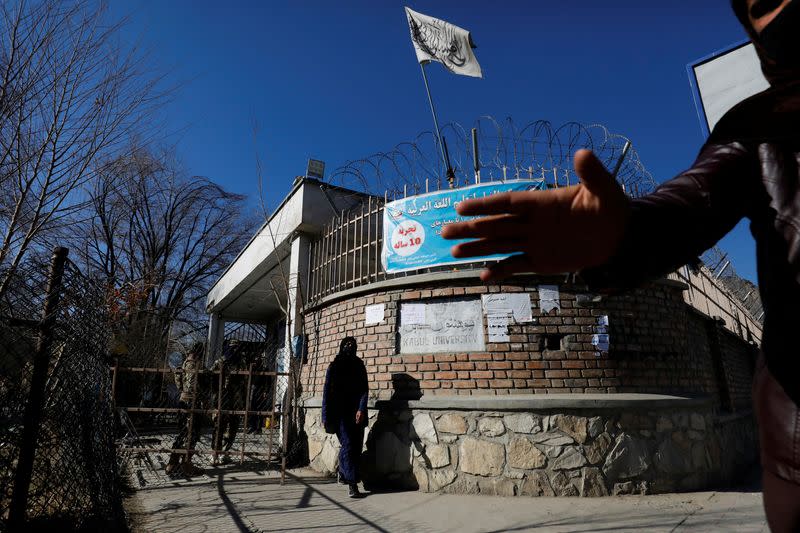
(558, 230)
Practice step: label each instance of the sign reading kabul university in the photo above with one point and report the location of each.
(434, 327)
(412, 227)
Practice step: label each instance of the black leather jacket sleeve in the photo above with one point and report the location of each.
(681, 219)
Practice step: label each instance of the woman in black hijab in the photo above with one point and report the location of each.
(344, 410)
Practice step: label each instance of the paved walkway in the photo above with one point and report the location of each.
(236, 501)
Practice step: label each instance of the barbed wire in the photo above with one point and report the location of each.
(538, 150)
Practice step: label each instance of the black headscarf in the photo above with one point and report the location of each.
(347, 349)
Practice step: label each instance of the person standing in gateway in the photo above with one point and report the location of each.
(344, 410)
(189, 423)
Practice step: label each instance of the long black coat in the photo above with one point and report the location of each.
(345, 393)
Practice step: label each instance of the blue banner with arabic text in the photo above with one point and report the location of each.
(412, 227)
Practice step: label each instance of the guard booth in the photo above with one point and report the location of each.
(260, 297)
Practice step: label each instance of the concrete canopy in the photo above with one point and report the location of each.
(255, 286)
(264, 299)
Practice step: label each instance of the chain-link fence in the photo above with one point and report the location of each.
(197, 412)
(58, 467)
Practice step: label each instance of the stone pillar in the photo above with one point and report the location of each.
(298, 277)
(296, 290)
(216, 335)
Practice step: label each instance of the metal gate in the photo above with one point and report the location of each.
(232, 408)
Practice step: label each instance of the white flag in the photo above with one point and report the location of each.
(437, 40)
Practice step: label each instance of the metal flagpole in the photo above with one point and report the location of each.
(621, 160)
(433, 112)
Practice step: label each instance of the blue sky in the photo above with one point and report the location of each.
(339, 81)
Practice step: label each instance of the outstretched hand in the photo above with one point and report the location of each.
(558, 230)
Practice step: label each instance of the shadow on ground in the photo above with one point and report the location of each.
(237, 499)
(233, 498)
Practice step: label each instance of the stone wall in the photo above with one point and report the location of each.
(738, 362)
(576, 445)
(666, 408)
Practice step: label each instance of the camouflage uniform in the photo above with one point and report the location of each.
(186, 381)
(188, 387)
(227, 424)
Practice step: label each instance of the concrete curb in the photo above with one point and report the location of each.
(530, 402)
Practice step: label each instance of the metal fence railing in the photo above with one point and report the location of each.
(58, 467)
(347, 254)
(196, 418)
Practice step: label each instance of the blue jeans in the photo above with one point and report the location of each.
(351, 439)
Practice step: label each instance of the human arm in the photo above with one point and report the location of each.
(325, 398)
(331, 400)
(582, 225)
(179, 377)
(593, 228)
(361, 414)
(682, 218)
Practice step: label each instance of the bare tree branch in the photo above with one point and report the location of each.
(70, 96)
(162, 235)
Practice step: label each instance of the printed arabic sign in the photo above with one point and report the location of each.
(517, 305)
(412, 227)
(450, 326)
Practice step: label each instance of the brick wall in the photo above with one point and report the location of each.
(707, 295)
(739, 363)
(659, 344)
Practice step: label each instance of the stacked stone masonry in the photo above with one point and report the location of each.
(659, 345)
(541, 453)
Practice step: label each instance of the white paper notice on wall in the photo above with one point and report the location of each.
(450, 326)
(517, 304)
(497, 324)
(600, 341)
(549, 298)
(374, 314)
(411, 314)
(602, 324)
